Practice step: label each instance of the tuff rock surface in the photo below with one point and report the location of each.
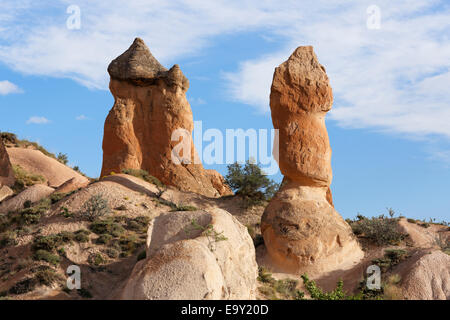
(301, 230)
(150, 104)
(195, 255)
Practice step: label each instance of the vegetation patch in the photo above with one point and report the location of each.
(251, 183)
(212, 235)
(144, 175)
(378, 230)
(24, 179)
(278, 289)
(97, 206)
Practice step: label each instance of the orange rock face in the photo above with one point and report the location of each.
(150, 104)
(300, 97)
(302, 231)
(6, 171)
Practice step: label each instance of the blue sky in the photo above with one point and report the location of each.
(390, 124)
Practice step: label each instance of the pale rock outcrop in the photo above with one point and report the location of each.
(428, 278)
(33, 194)
(150, 104)
(71, 185)
(195, 255)
(5, 192)
(302, 231)
(34, 161)
(6, 171)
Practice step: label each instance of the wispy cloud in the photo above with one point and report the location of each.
(394, 78)
(7, 87)
(38, 120)
(81, 117)
(196, 101)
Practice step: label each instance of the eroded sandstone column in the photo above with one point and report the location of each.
(302, 231)
(150, 104)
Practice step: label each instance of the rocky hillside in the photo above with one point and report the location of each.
(152, 229)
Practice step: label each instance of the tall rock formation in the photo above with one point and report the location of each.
(6, 171)
(150, 104)
(301, 229)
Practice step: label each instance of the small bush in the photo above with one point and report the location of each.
(47, 277)
(250, 182)
(62, 157)
(43, 255)
(96, 259)
(107, 226)
(104, 239)
(411, 220)
(8, 238)
(23, 286)
(184, 208)
(318, 294)
(24, 179)
(82, 236)
(97, 206)
(391, 258)
(112, 253)
(144, 175)
(381, 231)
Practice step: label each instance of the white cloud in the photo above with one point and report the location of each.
(395, 78)
(81, 117)
(196, 101)
(7, 87)
(38, 120)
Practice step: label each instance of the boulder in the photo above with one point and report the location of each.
(71, 185)
(150, 105)
(304, 233)
(195, 255)
(428, 278)
(5, 193)
(6, 171)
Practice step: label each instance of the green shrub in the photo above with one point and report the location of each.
(144, 175)
(62, 157)
(24, 179)
(138, 224)
(97, 206)
(47, 276)
(8, 238)
(43, 255)
(381, 231)
(129, 244)
(23, 286)
(112, 253)
(82, 235)
(411, 220)
(185, 208)
(96, 259)
(250, 182)
(318, 294)
(104, 239)
(391, 258)
(107, 226)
